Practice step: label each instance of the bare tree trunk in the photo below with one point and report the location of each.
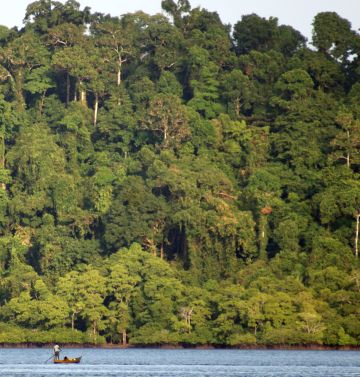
(82, 94)
(67, 89)
(357, 216)
(96, 107)
(237, 107)
(162, 251)
(75, 91)
(41, 104)
(262, 236)
(73, 321)
(19, 90)
(118, 81)
(2, 154)
(165, 141)
(83, 97)
(348, 154)
(94, 331)
(124, 337)
(190, 313)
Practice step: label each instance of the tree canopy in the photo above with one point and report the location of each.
(174, 180)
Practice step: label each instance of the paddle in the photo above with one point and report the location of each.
(49, 359)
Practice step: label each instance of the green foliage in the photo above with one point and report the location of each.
(204, 83)
(170, 183)
(167, 117)
(333, 35)
(256, 33)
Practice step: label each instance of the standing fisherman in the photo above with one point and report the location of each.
(57, 350)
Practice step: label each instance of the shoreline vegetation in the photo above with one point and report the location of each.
(170, 179)
(310, 347)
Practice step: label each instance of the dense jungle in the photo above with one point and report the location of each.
(171, 179)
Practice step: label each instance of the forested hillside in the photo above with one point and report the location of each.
(171, 179)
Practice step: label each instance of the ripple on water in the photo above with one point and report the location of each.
(182, 363)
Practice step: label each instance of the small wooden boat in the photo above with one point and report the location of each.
(68, 360)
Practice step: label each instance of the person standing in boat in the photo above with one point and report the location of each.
(57, 351)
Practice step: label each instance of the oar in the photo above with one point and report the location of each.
(49, 359)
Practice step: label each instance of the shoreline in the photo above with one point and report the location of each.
(299, 347)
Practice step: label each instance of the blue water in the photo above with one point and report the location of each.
(181, 363)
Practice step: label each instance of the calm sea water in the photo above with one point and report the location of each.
(181, 363)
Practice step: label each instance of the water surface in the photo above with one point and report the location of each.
(181, 363)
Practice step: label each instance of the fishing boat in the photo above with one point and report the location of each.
(68, 360)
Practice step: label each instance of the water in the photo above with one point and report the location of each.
(181, 363)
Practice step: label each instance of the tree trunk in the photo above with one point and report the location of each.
(118, 81)
(357, 216)
(165, 140)
(67, 89)
(19, 90)
(41, 103)
(75, 91)
(162, 251)
(83, 97)
(82, 94)
(2, 154)
(262, 236)
(2, 147)
(124, 337)
(96, 107)
(237, 107)
(94, 331)
(348, 154)
(73, 321)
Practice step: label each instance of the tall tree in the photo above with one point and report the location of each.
(168, 118)
(332, 35)
(18, 59)
(117, 40)
(346, 143)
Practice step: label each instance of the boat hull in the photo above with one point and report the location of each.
(74, 360)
